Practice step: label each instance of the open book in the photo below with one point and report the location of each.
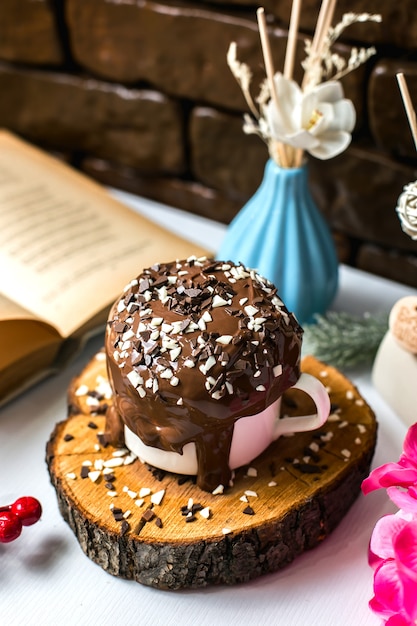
(67, 249)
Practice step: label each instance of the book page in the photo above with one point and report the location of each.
(10, 310)
(67, 248)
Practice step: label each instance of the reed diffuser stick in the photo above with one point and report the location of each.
(411, 114)
(292, 39)
(269, 68)
(324, 21)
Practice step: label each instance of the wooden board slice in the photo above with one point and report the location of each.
(288, 501)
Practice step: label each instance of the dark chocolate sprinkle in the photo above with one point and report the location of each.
(307, 468)
(143, 285)
(158, 522)
(248, 511)
(119, 327)
(102, 439)
(92, 425)
(309, 452)
(68, 437)
(193, 292)
(124, 528)
(148, 515)
(84, 471)
(183, 479)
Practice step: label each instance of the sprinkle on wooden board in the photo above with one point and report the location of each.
(228, 512)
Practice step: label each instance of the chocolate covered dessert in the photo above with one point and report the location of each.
(192, 346)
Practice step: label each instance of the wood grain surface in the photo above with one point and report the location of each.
(161, 530)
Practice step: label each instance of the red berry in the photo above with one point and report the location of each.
(10, 527)
(27, 509)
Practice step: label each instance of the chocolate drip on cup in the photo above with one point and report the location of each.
(192, 346)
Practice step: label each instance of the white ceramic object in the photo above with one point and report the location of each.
(394, 372)
(251, 436)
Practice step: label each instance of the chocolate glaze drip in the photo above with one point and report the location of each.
(192, 346)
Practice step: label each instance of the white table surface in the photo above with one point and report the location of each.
(45, 578)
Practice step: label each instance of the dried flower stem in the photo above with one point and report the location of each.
(243, 76)
(411, 114)
(269, 68)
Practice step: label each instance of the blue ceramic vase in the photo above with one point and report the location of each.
(281, 233)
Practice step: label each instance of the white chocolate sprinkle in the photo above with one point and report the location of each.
(115, 462)
(134, 378)
(201, 324)
(120, 452)
(94, 476)
(218, 491)
(82, 390)
(218, 301)
(156, 498)
(206, 316)
(277, 370)
(224, 339)
(333, 418)
(129, 459)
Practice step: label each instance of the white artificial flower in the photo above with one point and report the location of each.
(319, 121)
(407, 209)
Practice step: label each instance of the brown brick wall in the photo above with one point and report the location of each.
(139, 95)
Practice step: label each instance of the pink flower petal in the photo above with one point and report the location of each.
(405, 500)
(405, 546)
(410, 444)
(389, 475)
(383, 536)
(388, 588)
(398, 620)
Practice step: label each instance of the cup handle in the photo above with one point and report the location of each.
(303, 423)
